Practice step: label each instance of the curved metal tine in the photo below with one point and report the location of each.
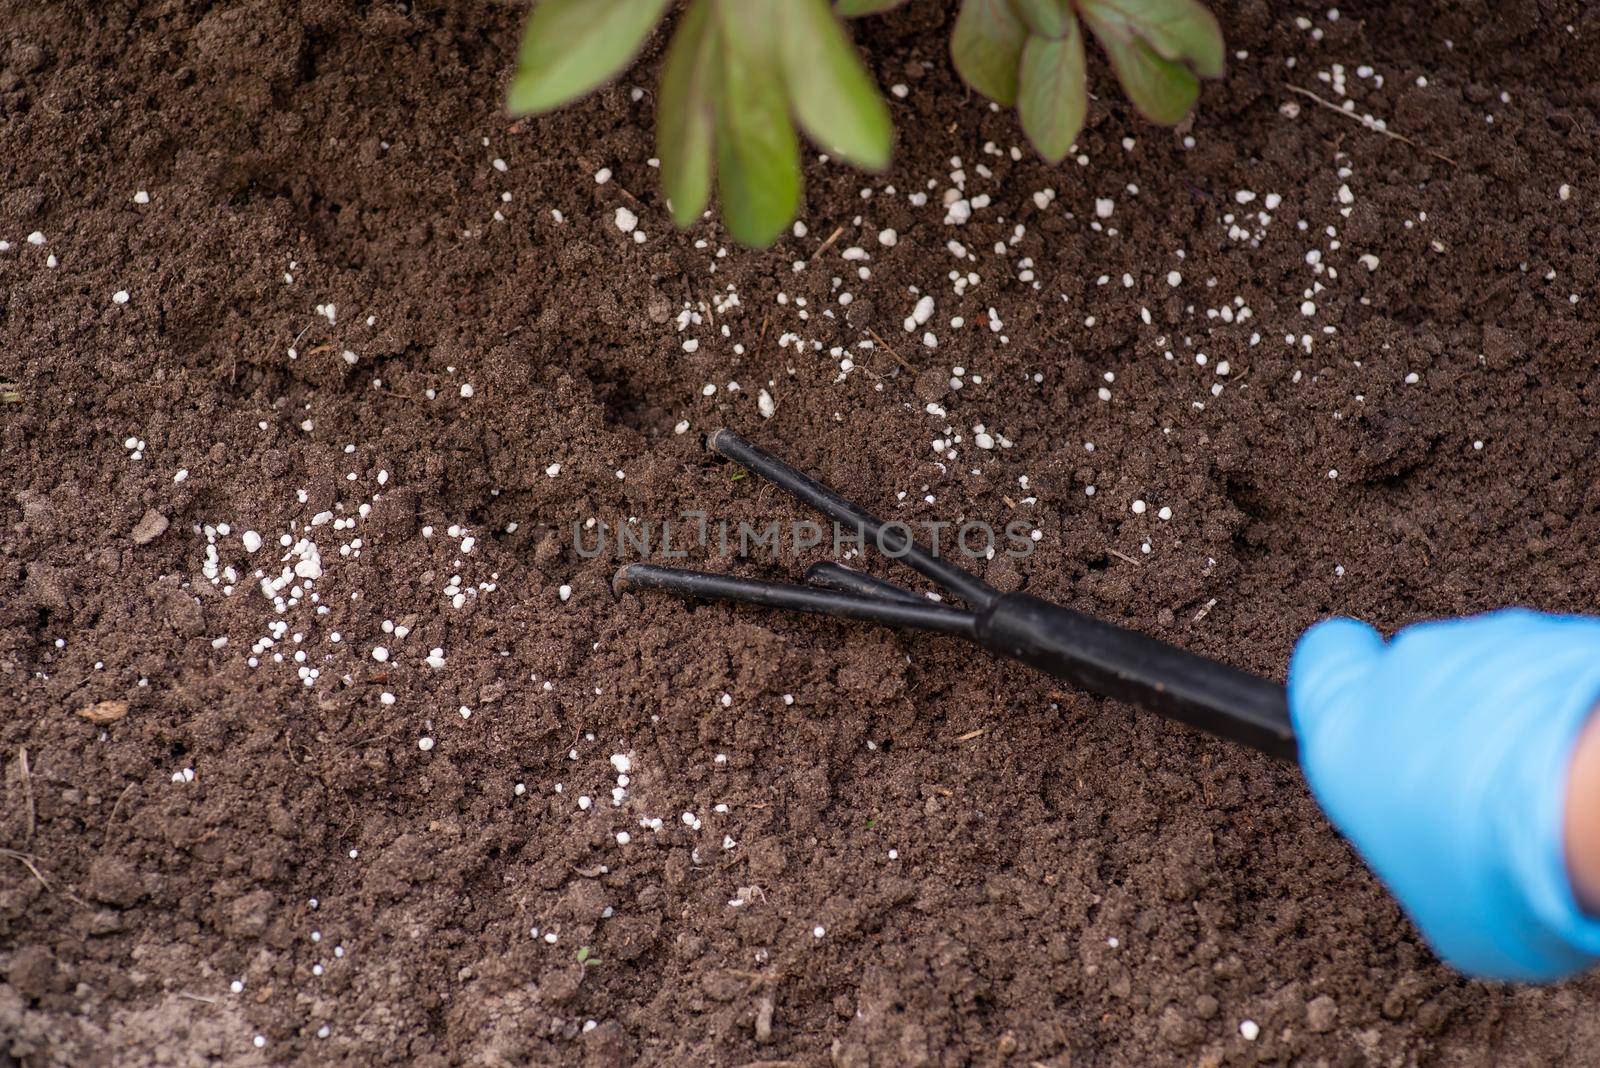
(893, 538)
(838, 577)
(922, 616)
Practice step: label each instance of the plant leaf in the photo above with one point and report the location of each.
(758, 152)
(1053, 95)
(1179, 30)
(572, 46)
(1047, 18)
(986, 47)
(1162, 90)
(686, 114)
(835, 99)
(852, 9)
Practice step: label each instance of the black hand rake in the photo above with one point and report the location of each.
(1097, 656)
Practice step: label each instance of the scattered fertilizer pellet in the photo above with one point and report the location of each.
(1249, 1030)
(818, 931)
(565, 592)
(424, 744)
(623, 838)
(626, 220)
(120, 297)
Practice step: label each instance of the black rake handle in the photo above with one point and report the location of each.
(1115, 662)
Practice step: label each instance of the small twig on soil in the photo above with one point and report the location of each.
(1009, 502)
(1124, 556)
(116, 805)
(826, 245)
(196, 997)
(31, 862)
(27, 792)
(967, 737)
(1208, 606)
(1369, 123)
(893, 355)
(765, 319)
(757, 978)
(385, 736)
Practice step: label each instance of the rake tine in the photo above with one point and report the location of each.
(893, 538)
(838, 577)
(917, 614)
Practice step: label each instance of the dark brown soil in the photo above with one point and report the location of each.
(1071, 882)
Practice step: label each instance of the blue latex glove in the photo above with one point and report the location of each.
(1443, 756)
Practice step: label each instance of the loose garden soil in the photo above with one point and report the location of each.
(235, 830)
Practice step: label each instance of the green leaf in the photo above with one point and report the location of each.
(686, 113)
(1162, 90)
(758, 152)
(572, 46)
(1178, 30)
(1047, 18)
(1054, 95)
(835, 99)
(986, 47)
(852, 9)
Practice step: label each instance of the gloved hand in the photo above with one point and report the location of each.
(1443, 755)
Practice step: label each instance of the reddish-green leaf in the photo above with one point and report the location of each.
(685, 114)
(572, 46)
(1178, 30)
(1053, 95)
(1162, 90)
(986, 47)
(834, 98)
(1047, 18)
(758, 152)
(856, 8)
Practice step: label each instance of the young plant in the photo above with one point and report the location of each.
(740, 75)
(1030, 53)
